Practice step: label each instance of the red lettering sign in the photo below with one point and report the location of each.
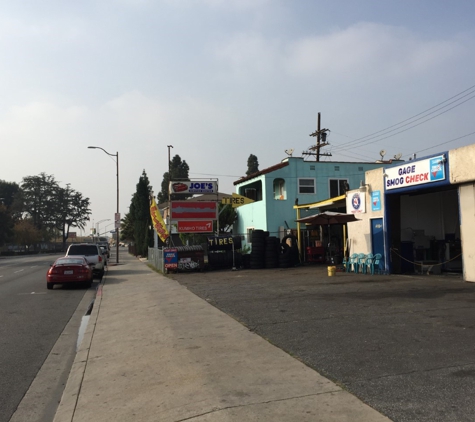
(202, 226)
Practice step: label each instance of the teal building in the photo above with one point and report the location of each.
(276, 189)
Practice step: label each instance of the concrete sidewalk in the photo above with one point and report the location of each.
(153, 351)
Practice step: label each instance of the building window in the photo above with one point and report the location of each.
(312, 167)
(360, 168)
(338, 187)
(337, 168)
(279, 189)
(307, 186)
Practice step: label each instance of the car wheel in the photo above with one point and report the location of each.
(49, 286)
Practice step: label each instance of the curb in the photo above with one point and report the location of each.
(67, 406)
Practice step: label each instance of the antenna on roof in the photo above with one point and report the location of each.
(398, 156)
(289, 152)
(382, 153)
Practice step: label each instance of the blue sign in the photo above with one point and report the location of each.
(376, 200)
(437, 169)
(170, 257)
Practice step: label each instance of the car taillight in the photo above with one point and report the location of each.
(53, 270)
(100, 258)
(84, 269)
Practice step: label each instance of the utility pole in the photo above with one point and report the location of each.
(321, 135)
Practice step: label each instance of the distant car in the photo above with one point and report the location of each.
(69, 269)
(106, 245)
(105, 252)
(93, 255)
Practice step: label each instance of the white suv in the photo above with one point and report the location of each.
(93, 255)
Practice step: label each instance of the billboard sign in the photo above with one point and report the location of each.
(416, 173)
(195, 226)
(195, 187)
(191, 210)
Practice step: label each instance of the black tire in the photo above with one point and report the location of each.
(292, 238)
(49, 286)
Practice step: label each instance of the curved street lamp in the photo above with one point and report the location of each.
(117, 215)
(97, 225)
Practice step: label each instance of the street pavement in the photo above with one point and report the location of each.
(405, 345)
(155, 351)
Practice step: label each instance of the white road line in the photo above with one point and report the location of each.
(19, 271)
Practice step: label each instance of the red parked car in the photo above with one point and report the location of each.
(69, 269)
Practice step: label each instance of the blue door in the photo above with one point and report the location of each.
(377, 236)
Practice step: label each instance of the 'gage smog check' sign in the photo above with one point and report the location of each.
(415, 173)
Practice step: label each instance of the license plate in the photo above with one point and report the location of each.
(67, 272)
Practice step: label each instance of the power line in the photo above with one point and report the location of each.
(445, 142)
(411, 127)
(413, 119)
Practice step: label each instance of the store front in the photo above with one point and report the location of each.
(423, 217)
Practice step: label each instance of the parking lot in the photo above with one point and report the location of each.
(403, 344)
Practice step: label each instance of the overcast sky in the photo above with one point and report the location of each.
(222, 79)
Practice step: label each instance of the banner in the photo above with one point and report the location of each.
(158, 222)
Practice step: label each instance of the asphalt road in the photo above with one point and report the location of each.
(32, 318)
(403, 344)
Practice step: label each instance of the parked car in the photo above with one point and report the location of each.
(93, 255)
(106, 245)
(69, 269)
(105, 253)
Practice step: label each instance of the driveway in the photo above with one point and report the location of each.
(403, 344)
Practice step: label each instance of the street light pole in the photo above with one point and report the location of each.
(117, 215)
(169, 200)
(97, 226)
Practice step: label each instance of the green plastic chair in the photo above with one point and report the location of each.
(352, 261)
(369, 263)
(377, 264)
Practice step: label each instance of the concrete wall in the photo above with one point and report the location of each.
(462, 171)
(359, 233)
(467, 229)
(461, 164)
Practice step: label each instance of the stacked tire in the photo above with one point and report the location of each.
(272, 252)
(258, 251)
(289, 256)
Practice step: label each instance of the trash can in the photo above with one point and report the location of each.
(331, 271)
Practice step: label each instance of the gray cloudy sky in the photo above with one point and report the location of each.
(222, 79)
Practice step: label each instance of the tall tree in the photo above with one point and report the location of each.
(26, 233)
(142, 221)
(72, 210)
(51, 207)
(39, 200)
(8, 193)
(127, 226)
(252, 165)
(178, 171)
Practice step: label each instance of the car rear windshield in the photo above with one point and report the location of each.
(83, 250)
(70, 261)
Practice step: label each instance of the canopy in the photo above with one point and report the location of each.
(328, 217)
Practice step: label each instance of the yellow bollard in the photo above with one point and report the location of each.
(331, 271)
